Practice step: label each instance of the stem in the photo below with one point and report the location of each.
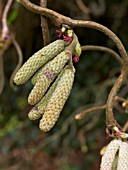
(60, 19)
(44, 25)
(71, 48)
(104, 49)
(110, 120)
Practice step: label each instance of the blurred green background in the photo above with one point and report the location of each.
(71, 145)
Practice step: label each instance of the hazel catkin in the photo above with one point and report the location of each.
(47, 75)
(57, 100)
(37, 111)
(37, 60)
(115, 156)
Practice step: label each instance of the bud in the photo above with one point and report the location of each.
(47, 75)
(38, 109)
(78, 49)
(37, 60)
(57, 100)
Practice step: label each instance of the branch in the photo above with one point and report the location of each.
(44, 25)
(104, 49)
(110, 120)
(59, 19)
(92, 109)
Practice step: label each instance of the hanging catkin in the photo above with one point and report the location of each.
(38, 110)
(57, 100)
(109, 155)
(37, 60)
(47, 75)
(115, 156)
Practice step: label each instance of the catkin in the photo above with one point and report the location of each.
(109, 155)
(115, 156)
(47, 75)
(57, 100)
(37, 60)
(56, 64)
(38, 109)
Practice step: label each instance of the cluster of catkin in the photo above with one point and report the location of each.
(115, 156)
(52, 79)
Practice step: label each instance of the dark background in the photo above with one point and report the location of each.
(71, 144)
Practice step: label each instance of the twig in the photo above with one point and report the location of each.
(83, 113)
(20, 60)
(82, 7)
(44, 25)
(110, 120)
(104, 49)
(118, 98)
(59, 19)
(5, 29)
(92, 109)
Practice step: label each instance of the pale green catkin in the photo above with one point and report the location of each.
(109, 155)
(115, 156)
(37, 111)
(37, 60)
(57, 100)
(47, 75)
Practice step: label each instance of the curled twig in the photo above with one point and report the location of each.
(60, 19)
(104, 49)
(20, 60)
(110, 120)
(92, 109)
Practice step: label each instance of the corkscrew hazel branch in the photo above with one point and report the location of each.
(59, 19)
(110, 120)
